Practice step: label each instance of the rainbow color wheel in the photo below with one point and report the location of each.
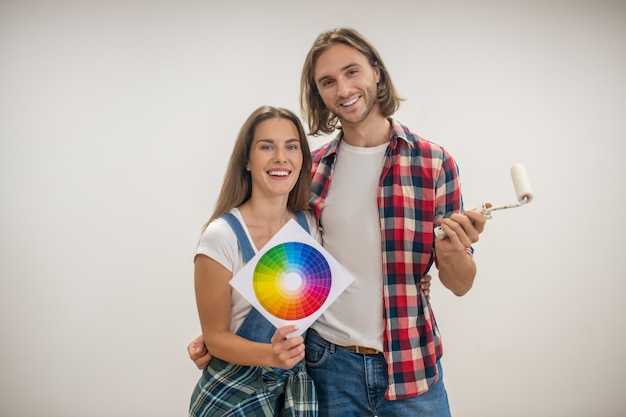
(292, 280)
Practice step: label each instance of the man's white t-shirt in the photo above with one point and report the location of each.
(352, 235)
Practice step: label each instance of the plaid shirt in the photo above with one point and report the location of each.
(419, 183)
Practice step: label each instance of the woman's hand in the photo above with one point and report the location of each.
(287, 352)
(425, 285)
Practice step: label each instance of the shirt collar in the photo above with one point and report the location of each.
(398, 132)
(401, 132)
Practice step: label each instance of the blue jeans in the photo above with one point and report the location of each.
(351, 384)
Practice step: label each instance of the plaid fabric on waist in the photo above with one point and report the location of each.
(231, 390)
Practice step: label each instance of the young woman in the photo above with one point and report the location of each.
(255, 369)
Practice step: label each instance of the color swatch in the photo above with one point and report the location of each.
(292, 280)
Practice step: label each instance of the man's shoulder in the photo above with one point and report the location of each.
(414, 140)
(326, 149)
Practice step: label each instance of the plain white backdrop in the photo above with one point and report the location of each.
(116, 121)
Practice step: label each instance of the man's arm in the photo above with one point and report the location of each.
(457, 268)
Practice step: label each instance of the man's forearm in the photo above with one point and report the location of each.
(457, 272)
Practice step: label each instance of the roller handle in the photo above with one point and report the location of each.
(523, 192)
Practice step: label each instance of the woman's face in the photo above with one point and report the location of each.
(275, 158)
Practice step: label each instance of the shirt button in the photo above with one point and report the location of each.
(320, 205)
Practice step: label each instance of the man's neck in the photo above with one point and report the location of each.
(371, 132)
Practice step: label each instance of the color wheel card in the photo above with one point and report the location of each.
(292, 279)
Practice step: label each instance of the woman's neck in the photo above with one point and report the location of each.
(266, 212)
(264, 220)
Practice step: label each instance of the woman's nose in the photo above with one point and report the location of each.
(280, 155)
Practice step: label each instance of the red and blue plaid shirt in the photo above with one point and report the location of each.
(419, 183)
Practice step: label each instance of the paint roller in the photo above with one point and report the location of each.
(522, 191)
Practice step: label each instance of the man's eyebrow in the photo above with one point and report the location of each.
(343, 69)
(323, 78)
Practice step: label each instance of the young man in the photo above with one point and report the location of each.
(379, 191)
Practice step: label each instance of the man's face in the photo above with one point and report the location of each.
(347, 83)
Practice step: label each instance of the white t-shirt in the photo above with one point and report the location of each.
(352, 235)
(219, 242)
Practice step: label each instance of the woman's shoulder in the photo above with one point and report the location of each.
(217, 237)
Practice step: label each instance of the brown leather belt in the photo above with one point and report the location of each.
(362, 350)
(358, 349)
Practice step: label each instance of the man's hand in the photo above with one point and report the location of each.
(456, 269)
(198, 353)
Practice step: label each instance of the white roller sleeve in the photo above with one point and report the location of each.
(521, 183)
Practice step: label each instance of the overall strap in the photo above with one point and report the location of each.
(301, 218)
(242, 238)
(254, 327)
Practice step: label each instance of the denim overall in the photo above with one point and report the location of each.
(255, 327)
(231, 390)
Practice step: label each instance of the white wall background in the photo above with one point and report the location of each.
(116, 120)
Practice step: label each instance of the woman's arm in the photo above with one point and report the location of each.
(213, 300)
(199, 354)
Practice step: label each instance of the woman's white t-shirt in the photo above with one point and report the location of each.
(219, 243)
